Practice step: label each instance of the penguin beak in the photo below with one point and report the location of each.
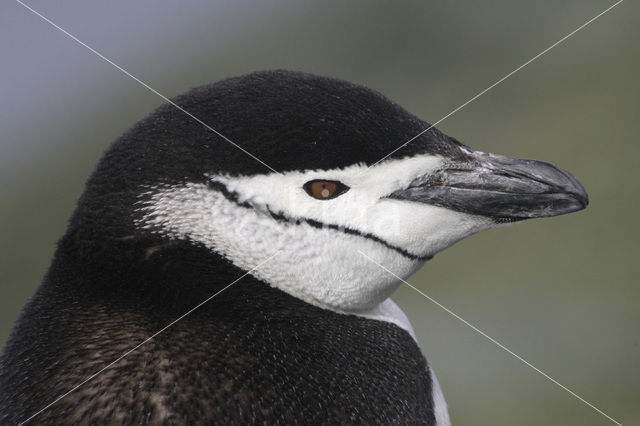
(503, 188)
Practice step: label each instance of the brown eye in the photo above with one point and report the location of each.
(325, 189)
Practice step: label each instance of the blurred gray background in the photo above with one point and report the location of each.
(563, 292)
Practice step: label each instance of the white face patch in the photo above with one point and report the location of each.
(248, 218)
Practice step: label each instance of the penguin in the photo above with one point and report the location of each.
(281, 226)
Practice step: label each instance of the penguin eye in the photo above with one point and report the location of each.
(325, 189)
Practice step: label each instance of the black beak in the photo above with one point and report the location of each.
(500, 187)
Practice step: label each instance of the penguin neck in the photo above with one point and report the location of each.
(113, 259)
(167, 276)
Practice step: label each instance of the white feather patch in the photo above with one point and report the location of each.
(440, 409)
(320, 265)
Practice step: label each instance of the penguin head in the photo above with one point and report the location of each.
(313, 184)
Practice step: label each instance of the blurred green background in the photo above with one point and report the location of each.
(563, 293)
